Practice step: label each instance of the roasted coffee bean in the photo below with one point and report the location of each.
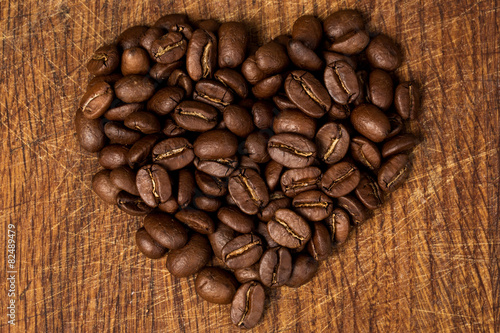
(320, 245)
(165, 100)
(218, 239)
(122, 110)
(397, 125)
(213, 93)
(153, 184)
(339, 111)
(140, 152)
(248, 305)
(271, 58)
(148, 246)
(207, 204)
(105, 60)
(341, 82)
(130, 38)
(247, 274)
(339, 225)
(294, 121)
(303, 89)
(132, 204)
(173, 153)
(168, 48)
(393, 172)
(380, 89)
(191, 258)
(233, 40)
(302, 56)
(186, 188)
(208, 25)
(210, 185)
(149, 36)
(168, 21)
(277, 200)
(355, 208)
(104, 187)
(196, 220)
(383, 53)
(161, 72)
(113, 156)
(180, 79)
(89, 132)
(195, 116)
(283, 102)
(272, 174)
(234, 218)
(308, 30)
(369, 193)
(368, 120)
(340, 179)
(171, 129)
(220, 167)
(262, 113)
(345, 30)
(292, 150)
(256, 145)
(234, 80)
(248, 191)
(215, 144)
(201, 56)
(170, 206)
(365, 152)
(238, 120)
(215, 285)
(242, 251)
(143, 121)
(399, 144)
(313, 205)
(407, 100)
(289, 229)
(332, 141)
(304, 269)
(267, 87)
(135, 60)
(124, 178)
(165, 230)
(96, 101)
(275, 267)
(247, 163)
(295, 181)
(251, 71)
(134, 88)
(117, 133)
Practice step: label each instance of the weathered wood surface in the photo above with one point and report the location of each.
(426, 262)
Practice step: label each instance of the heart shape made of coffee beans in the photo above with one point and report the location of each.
(250, 164)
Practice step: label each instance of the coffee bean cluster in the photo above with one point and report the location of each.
(249, 163)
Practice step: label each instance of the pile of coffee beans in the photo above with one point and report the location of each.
(250, 164)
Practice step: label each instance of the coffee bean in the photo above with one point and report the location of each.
(340, 179)
(201, 56)
(283, 102)
(238, 120)
(104, 187)
(256, 145)
(275, 267)
(143, 121)
(247, 274)
(332, 141)
(339, 225)
(173, 153)
(302, 56)
(90, 132)
(171, 129)
(220, 167)
(168, 48)
(168, 21)
(186, 188)
(105, 60)
(399, 144)
(277, 200)
(292, 150)
(233, 80)
(369, 193)
(251, 71)
(368, 120)
(271, 58)
(272, 174)
(320, 245)
(345, 30)
(380, 90)
(213, 93)
(289, 229)
(149, 36)
(130, 38)
(140, 153)
(215, 144)
(267, 87)
(341, 82)
(135, 60)
(262, 113)
(165, 230)
(165, 100)
(148, 246)
(294, 121)
(234, 218)
(195, 116)
(207, 204)
(295, 181)
(132, 204)
(383, 53)
(248, 305)
(218, 239)
(215, 285)
(393, 172)
(303, 89)
(170, 206)
(242, 251)
(304, 269)
(355, 208)
(180, 79)
(134, 88)
(248, 191)
(233, 40)
(153, 184)
(124, 178)
(122, 110)
(247, 163)
(331, 57)
(96, 101)
(210, 185)
(117, 133)
(191, 258)
(113, 156)
(407, 100)
(161, 72)
(196, 220)
(308, 30)
(365, 152)
(313, 205)
(397, 125)
(339, 111)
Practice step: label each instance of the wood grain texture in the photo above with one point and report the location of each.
(426, 262)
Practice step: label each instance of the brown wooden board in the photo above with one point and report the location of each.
(426, 262)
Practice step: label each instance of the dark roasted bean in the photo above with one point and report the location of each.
(289, 229)
(248, 191)
(233, 40)
(90, 132)
(304, 269)
(201, 57)
(365, 152)
(393, 172)
(340, 179)
(313, 205)
(196, 220)
(242, 251)
(303, 89)
(407, 100)
(332, 141)
(165, 230)
(153, 184)
(148, 246)
(237, 220)
(191, 258)
(292, 150)
(215, 285)
(173, 153)
(275, 267)
(248, 305)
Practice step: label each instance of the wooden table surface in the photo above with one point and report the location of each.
(426, 262)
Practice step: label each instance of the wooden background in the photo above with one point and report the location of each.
(426, 262)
